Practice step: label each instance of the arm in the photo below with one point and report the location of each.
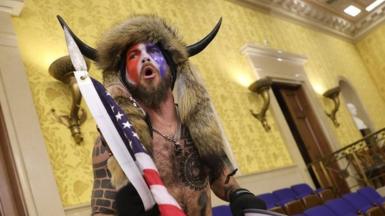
(222, 189)
(239, 198)
(103, 193)
(107, 199)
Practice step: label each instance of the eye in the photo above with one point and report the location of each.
(132, 55)
(154, 50)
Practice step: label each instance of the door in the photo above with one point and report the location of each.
(305, 128)
(11, 202)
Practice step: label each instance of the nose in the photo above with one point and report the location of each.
(146, 59)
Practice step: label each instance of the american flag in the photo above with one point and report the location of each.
(166, 203)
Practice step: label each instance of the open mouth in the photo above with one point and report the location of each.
(148, 72)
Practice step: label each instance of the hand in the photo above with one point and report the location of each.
(241, 199)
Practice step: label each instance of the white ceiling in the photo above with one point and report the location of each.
(325, 14)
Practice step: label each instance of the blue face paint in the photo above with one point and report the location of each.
(157, 55)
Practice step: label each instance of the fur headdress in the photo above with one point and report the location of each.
(193, 101)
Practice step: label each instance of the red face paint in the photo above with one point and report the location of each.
(132, 66)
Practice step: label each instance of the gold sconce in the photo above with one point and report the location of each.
(262, 87)
(333, 94)
(62, 70)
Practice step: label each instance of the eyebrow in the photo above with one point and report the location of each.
(134, 48)
(151, 46)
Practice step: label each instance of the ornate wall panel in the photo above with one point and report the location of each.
(372, 50)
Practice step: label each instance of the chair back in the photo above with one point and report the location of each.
(319, 211)
(340, 206)
(270, 200)
(221, 210)
(371, 194)
(285, 195)
(358, 201)
(302, 190)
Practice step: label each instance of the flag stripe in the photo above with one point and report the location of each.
(162, 196)
(146, 161)
(152, 177)
(170, 210)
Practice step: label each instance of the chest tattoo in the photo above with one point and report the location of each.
(190, 169)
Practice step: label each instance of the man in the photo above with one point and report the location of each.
(144, 58)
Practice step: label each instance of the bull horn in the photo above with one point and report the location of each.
(201, 45)
(86, 50)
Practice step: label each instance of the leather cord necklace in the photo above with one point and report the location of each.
(172, 139)
(168, 138)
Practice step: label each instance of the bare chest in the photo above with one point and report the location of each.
(182, 173)
(179, 164)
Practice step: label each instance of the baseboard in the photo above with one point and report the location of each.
(78, 210)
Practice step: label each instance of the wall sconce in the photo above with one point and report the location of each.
(262, 87)
(62, 70)
(333, 94)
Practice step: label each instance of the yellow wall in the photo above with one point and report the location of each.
(372, 50)
(224, 69)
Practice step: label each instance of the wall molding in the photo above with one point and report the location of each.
(13, 7)
(7, 39)
(78, 210)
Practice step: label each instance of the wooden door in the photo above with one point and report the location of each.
(305, 127)
(11, 201)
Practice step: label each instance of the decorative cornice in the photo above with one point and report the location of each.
(307, 13)
(252, 49)
(369, 22)
(12, 7)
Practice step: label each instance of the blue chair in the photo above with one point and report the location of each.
(302, 190)
(288, 200)
(221, 210)
(307, 195)
(341, 207)
(372, 195)
(362, 204)
(285, 195)
(319, 211)
(269, 199)
(272, 202)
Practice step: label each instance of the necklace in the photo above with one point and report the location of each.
(172, 139)
(168, 138)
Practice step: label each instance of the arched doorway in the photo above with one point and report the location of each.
(354, 105)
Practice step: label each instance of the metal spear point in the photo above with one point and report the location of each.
(76, 56)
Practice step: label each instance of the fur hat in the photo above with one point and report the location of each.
(193, 100)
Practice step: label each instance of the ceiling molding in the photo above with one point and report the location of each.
(304, 12)
(12, 7)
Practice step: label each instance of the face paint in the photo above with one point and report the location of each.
(140, 54)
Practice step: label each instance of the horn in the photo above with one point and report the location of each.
(86, 50)
(201, 45)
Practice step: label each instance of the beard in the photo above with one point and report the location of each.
(152, 95)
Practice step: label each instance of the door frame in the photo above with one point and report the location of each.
(27, 144)
(288, 68)
(16, 195)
